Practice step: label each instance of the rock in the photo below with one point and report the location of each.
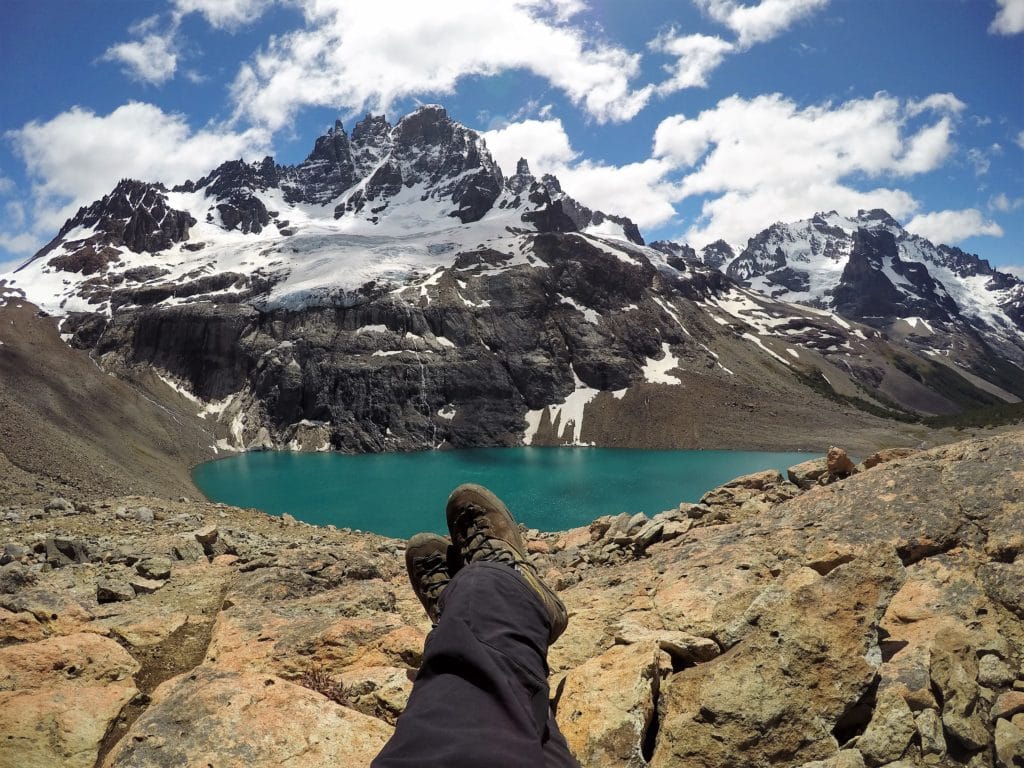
(288, 519)
(885, 455)
(113, 589)
(151, 631)
(993, 671)
(59, 697)
(647, 535)
(154, 568)
(377, 691)
(206, 535)
(210, 717)
(1004, 583)
(954, 676)
(1007, 705)
(933, 742)
(188, 550)
(807, 473)
(845, 758)
(636, 522)
(817, 627)
(12, 553)
(59, 506)
(747, 496)
(143, 586)
(838, 463)
(607, 704)
(1009, 743)
(890, 730)
(143, 514)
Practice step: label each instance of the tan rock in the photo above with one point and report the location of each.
(954, 675)
(889, 731)
(19, 627)
(845, 758)
(885, 455)
(58, 698)
(839, 463)
(608, 703)
(993, 672)
(1007, 705)
(807, 473)
(210, 717)
(152, 630)
(378, 691)
(760, 698)
(1009, 743)
(933, 742)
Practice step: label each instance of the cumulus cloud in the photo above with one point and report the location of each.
(638, 190)
(950, 227)
(1010, 19)
(79, 155)
(766, 159)
(697, 56)
(544, 143)
(761, 22)
(355, 55)
(1017, 270)
(223, 14)
(152, 59)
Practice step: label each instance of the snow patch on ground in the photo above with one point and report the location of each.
(657, 371)
(569, 411)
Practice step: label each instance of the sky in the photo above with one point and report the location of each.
(699, 119)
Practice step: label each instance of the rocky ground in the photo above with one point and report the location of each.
(823, 620)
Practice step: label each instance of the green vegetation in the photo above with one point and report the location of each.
(990, 416)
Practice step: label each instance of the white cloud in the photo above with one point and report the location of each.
(697, 56)
(761, 22)
(1010, 19)
(936, 102)
(638, 190)
(950, 227)
(766, 159)
(79, 156)
(1004, 204)
(224, 14)
(544, 143)
(355, 55)
(153, 59)
(979, 160)
(1017, 270)
(1019, 139)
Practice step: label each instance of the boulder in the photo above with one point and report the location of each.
(607, 705)
(807, 473)
(113, 589)
(839, 463)
(1007, 705)
(954, 676)
(154, 568)
(211, 717)
(889, 731)
(993, 672)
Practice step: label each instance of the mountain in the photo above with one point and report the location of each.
(396, 290)
(948, 305)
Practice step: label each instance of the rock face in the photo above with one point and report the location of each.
(872, 621)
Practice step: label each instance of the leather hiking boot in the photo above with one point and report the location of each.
(482, 528)
(427, 560)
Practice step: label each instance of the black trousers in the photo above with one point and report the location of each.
(480, 699)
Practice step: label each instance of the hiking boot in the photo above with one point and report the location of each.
(483, 529)
(427, 560)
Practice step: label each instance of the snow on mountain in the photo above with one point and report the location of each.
(381, 207)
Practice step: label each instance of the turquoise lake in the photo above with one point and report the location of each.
(398, 494)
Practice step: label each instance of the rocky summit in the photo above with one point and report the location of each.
(849, 614)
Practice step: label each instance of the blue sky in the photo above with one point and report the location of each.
(700, 119)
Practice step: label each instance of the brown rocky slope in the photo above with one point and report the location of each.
(875, 620)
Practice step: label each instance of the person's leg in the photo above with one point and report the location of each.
(481, 694)
(556, 750)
